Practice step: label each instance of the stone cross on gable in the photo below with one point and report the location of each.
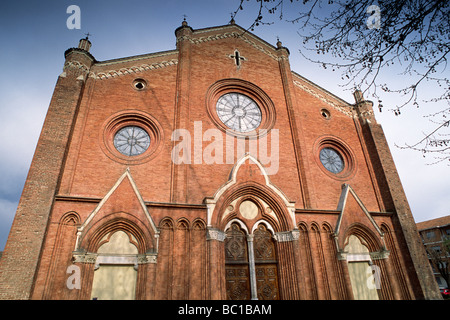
(237, 58)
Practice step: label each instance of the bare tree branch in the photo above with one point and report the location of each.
(413, 36)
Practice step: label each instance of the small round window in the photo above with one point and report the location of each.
(325, 114)
(131, 141)
(139, 84)
(331, 160)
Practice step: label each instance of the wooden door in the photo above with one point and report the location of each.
(237, 276)
(237, 282)
(265, 264)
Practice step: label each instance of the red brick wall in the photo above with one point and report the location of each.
(74, 162)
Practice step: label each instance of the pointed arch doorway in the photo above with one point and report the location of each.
(251, 223)
(251, 270)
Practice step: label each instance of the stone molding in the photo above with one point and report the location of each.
(377, 255)
(226, 35)
(215, 234)
(98, 259)
(133, 69)
(341, 108)
(75, 65)
(286, 236)
(116, 73)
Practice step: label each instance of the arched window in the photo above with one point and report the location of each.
(360, 269)
(116, 275)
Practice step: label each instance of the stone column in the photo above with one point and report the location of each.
(252, 268)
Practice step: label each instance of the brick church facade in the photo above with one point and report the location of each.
(211, 171)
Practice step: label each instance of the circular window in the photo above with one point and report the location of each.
(131, 141)
(325, 114)
(335, 158)
(238, 112)
(131, 137)
(331, 160)
(139, 84)
(240, 108)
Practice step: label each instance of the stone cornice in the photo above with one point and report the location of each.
(322, 94)
(240, 32)
(68, 51)
(246, 37)
(101, 75)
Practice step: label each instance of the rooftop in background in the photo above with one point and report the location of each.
(434, 223)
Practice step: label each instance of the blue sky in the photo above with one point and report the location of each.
(34, 37)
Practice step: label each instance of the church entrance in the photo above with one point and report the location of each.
(250, 264)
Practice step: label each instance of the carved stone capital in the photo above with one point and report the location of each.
(285, 236)
(383, 254)
(146, 258)
(215, 234)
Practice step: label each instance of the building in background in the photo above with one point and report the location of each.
(435, 235)
(211, 171)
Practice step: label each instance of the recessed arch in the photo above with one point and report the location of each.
(183, 223)
(366, 236)
(359, 262)
(302, 226)
(166, 223)
(279, 218)
(282, 207)
(327, 227)
(198, 224)
(315, 226)
(118, 242)
(265, 223)
(93, 237)
(239, 222)
(70, 218)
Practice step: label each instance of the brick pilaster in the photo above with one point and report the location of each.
(395, 199)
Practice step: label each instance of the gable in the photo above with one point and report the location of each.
(233, 31)
(122, 200)
(353, 211)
